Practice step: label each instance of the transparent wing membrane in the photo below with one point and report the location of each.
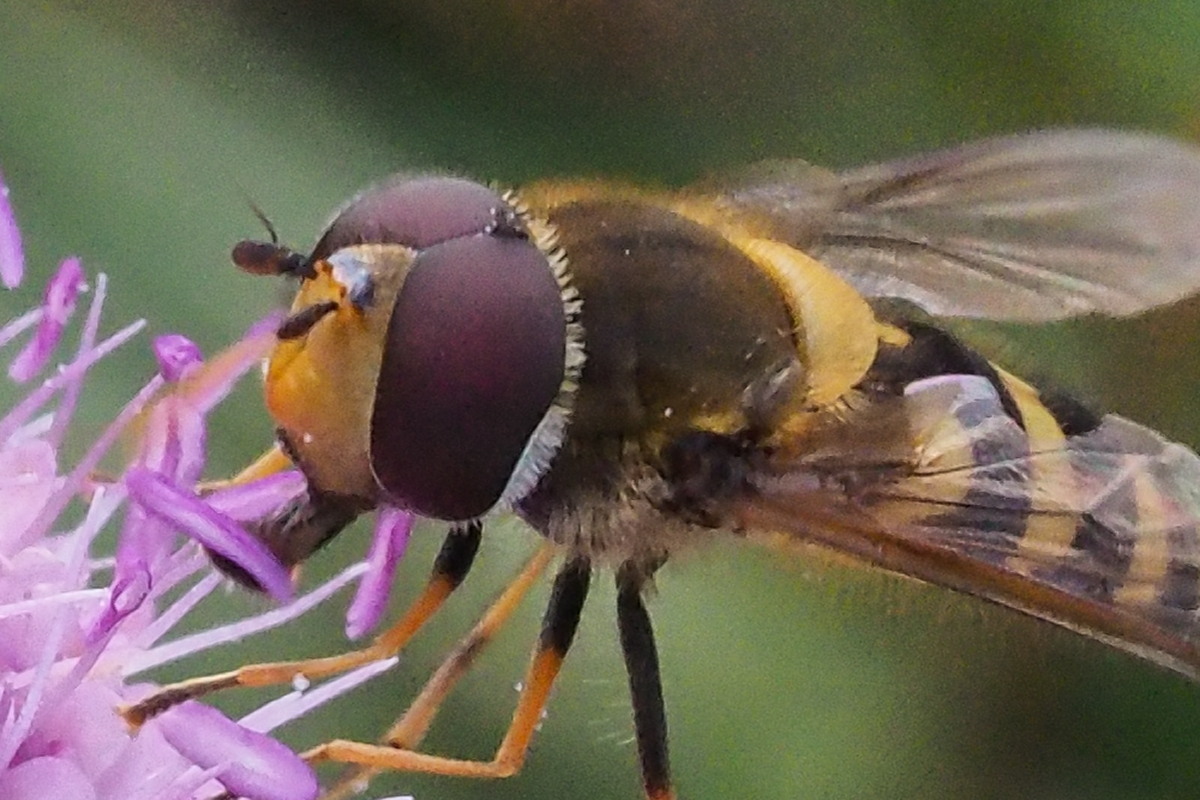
(1097, 532)
(1033, 227)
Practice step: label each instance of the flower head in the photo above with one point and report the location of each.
(76, 628)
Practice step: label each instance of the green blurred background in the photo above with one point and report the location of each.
(133, 134)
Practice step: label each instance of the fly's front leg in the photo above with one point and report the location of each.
(451, 567)
(271, 462)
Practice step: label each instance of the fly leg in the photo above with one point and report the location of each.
(645, 683)
(558, 631)
(449, 569)
(409, 731)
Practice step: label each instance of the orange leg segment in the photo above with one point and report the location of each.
(453, 562)
(409, 731)
(558, 631)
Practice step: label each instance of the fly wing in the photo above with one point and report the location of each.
(1032, 227)
(1095, 531)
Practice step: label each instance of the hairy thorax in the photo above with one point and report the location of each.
(608, 498)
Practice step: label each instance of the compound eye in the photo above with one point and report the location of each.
(416, 212)
(474, 358)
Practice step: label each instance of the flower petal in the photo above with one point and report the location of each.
(15, 327)
(177, 356)
(293, 705)
(172, 440)
(126, 596)
(207, 387)
(20, 414)
(392, 529)
(195, 518)
(12, 255)
(28, 478)
(250, 764)
(236, 631)
(57, 305)
(44, 777)
(87, 342)
(257, 499)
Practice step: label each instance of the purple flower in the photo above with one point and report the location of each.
(178, 356)
(183, 510)
(392, 529)
(77, 628)
(57, 307)
(12, 256)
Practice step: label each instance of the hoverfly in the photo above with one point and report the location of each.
(635, 371)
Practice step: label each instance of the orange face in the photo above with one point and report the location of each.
(320, 388)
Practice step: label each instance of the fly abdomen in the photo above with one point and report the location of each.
(928, 353)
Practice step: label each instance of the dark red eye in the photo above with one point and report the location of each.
(473, 359)
(416, 212)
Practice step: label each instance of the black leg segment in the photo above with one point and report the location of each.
(566, 604)
(458, 551)
(645, 684)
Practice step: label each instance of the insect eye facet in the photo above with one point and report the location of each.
(473, 360)
(416, 212)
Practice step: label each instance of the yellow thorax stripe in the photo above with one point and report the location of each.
(838, 328)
